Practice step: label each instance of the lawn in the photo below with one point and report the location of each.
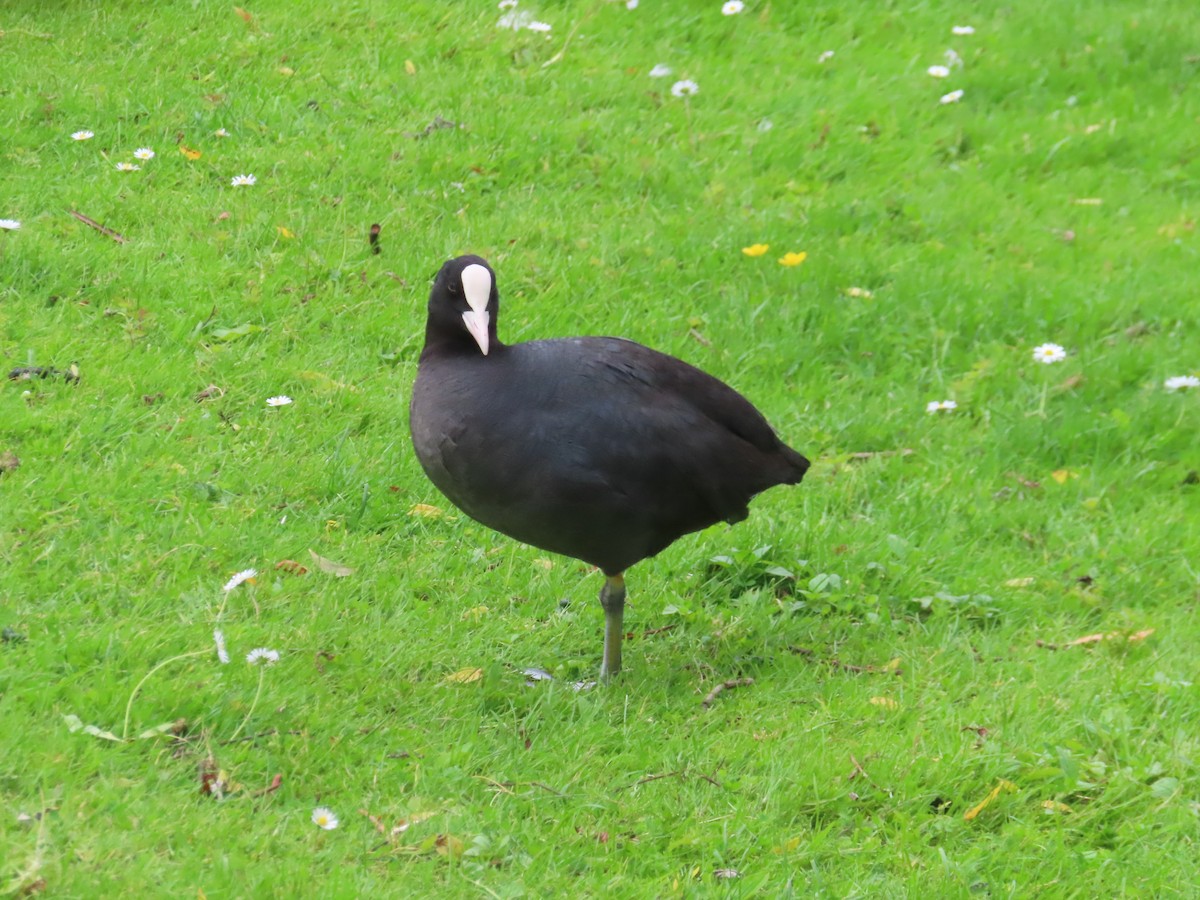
(961, 656)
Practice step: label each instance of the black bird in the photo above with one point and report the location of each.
(592, 447)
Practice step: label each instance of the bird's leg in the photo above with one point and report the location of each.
(612, 599)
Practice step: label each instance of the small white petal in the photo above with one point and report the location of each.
(938, 71)
(239, 578)
(825, 57)
(631, 4)
(1182, 383)
(219, 640)
(963, 29)
(660, 71)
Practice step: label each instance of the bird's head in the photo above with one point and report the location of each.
(464, 301)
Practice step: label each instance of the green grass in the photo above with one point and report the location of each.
(606, 206)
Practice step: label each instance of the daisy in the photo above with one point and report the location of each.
(127, 167)
(756, 249)
(684, 88)
(940, 406)
(862, 293)
(952, 97)
(262, 655)
(660, 71)
(9, 224)
(219, 640)
(244, 575)
(963, 29)
(243, 180)
(281, 400)
(82, 135)
(938, 71)
(323, 816)
(221, 132)
(1049, 353)
(825, 57)
(793, 259)
(143, 153)
(732, 7)
(538, 26)
(631, 4)
(1181, 383)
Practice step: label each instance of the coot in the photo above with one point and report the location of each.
(594, 447)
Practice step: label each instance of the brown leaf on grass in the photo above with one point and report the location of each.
(245, 16)
(409, 67)
(1002, 786)
(464, 676)
(328, 565)
(9, 462)
(1070, 384)
(1110, 636)
(188, 152)
(449, 845)
(209, 393)
(291, 567)
(426, 511)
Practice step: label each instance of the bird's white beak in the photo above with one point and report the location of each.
(477, 286)
(477, 324)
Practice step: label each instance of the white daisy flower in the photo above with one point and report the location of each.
(953, 60)
(660, 71)
(281, 400)
(732, 7)
(1049, 353)
(262, 655)
(323, 816)
(127, 167)
(143, 153)
(221, 132)
(9, 224)
(1181, 383)
(952, 97)
(82, 135)
(539, 26)
(244, 575)
(938, 71)
(219, 640)
(825, 57)
(934, 406)
(243, 180)
(507, 4)
(963, 29)
(631, 4)
(684, 88)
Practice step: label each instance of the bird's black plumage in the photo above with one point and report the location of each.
(596, 448)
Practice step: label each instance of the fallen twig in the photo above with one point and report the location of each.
(275, 784)
(871, 454)
(103, 229)
(836, 663)
(725, 686)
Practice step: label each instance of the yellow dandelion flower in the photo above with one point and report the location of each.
(756, 249)
(793, 259)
